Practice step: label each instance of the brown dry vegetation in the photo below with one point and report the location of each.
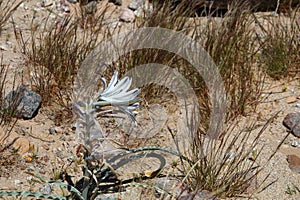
(250, 50)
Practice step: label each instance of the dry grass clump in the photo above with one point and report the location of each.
(56, 49)
(228, 167)
(279, 40)
(7, 108)
(230, 41)
(7, 8)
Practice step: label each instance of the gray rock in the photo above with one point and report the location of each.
(292, 122)
(135, 4)
(72, 1)
(140, 12)
(52, 131)
(46, 189)
(127, 15)
(91, 7)
(23, 102)
(294, 143)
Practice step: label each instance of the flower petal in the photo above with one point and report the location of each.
(112, 83)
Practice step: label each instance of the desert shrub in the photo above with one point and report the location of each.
(279, 43)
(229, 167)
(7, 108)
(56, 49)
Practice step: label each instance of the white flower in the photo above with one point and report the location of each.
(88, 129)
(116, 94)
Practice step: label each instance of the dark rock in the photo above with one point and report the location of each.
(292, 122)
(135, 4)
(23, 102)
(256, 5)
(294, 163)
(90, 7)
(212, 7)
(116, 2)
(72, 1)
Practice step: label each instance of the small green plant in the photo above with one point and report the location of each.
(292, 190)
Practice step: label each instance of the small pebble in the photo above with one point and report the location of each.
(36, 9)
(294, 163)
(294, 143)
(127, 15)
(135, 4)
(58, 129)
(66, 9)
(140, 12)
(52, 131)
(297, 105)
(292, 91)
(46, 189)
(292, 123)
(18, 182)
(72, 1)
(29, 178)
(3, 48)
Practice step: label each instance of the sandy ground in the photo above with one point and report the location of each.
(54, 151)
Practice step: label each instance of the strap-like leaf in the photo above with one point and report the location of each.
(31, 194)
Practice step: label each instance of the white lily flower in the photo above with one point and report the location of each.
(116, 94)
(88, 129)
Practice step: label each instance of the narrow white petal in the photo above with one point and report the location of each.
(125, 84)
(128, 113)
(112, 83)
(119, 87)
(127, 95)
